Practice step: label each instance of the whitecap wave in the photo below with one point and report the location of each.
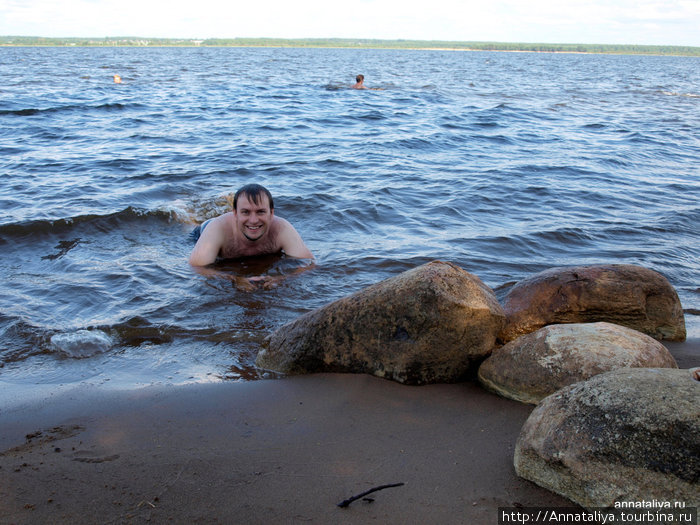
(81, 343)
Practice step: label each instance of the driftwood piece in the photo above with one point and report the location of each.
(347, 502)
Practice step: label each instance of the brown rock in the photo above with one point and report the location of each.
(425, 325)
(623, 294)
(628, 435)
(540, 363)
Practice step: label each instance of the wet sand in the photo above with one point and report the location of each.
(273, 451)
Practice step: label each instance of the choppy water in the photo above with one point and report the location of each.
(504, 163)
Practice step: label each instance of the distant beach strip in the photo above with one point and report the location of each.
(354, 43)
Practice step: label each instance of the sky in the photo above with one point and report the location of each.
(648, 22)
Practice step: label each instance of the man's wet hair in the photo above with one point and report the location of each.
(253, 192)
(358, 78)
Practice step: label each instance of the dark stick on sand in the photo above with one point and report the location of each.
(347, 502)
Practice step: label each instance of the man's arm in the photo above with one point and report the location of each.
(246, 284)
(291, 243)
(208, 245)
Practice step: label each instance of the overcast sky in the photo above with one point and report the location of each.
(659, 22)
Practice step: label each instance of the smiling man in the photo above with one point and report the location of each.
(250, 229)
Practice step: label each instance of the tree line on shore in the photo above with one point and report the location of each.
(350, 43)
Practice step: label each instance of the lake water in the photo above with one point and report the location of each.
(503, 163)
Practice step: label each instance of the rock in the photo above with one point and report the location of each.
(540, 363)
(425, 325)
(623, 294)
(625, 435)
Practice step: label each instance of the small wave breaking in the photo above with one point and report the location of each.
(82, 343)
(127, 215)
(28, 112)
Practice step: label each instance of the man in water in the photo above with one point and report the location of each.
(360, 82)
(250, 229)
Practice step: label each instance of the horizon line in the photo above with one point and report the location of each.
(344, 39)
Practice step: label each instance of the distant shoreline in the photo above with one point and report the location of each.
(350, 43)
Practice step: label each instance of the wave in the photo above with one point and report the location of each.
(106, 107)
(89, 341)
(82, 343)
(676, 94)
(20, 339)
(127, 215)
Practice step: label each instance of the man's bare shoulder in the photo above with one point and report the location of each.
(280, 224)
(220, 227)
(222, 220)
(288, 239)
(213, 236)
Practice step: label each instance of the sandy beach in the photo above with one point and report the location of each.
(273, 451)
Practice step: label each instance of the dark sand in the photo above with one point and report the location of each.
(273, 451)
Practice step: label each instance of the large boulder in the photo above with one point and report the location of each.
(425, 325)
(540, 363)
(623, 294)
(625, 435)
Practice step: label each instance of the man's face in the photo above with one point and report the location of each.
(253, 220)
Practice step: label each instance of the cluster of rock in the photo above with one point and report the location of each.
(582, 342)
(432, 323)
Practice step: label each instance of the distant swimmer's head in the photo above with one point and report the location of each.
(255, 194)
(360, 79)
(117, 79)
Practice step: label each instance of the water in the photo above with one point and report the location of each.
(503, 163)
